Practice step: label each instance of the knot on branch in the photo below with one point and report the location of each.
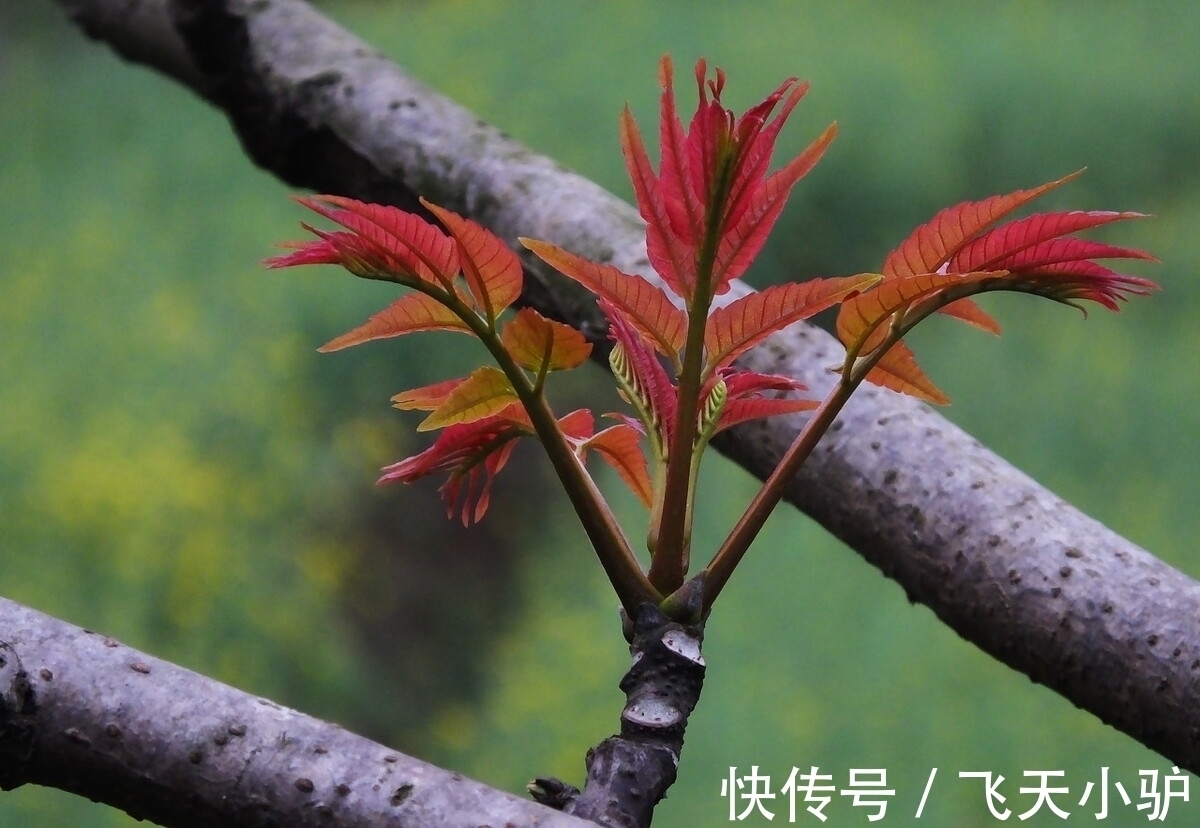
(663, 685)
(628, 774)
(17, 704)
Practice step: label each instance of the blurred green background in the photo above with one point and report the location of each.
(180, 469)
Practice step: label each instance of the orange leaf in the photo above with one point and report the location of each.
(540, 344)
(860, 322)
(485, 392)
(621, 447)
(967, 310)
(898, 370)
(492, 271)
(735, 328)
(427, 397)
(578, 426)
(408, 314)
(643, 305)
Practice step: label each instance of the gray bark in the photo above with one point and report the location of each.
(84, 713)
(629, 773)
(1000, 559)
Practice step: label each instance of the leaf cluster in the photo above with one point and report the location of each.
(708, 208)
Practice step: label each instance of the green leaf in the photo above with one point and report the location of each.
(486, 391)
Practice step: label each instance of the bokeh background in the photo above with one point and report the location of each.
(180, 469)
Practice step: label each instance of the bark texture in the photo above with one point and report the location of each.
(84, 713)
(628, 774)
(1000, 559)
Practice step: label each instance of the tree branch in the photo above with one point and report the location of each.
(84, 713)
(1003, 561)
(628, 774)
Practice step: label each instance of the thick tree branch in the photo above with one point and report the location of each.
(84, 713)
(1003, 561)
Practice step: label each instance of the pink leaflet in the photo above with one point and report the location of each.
(655, 393)
(492, 271)
(473, 454)
(404, 243)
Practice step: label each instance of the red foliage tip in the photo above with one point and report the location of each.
(473, 454)
(712, 191)
(381, 243)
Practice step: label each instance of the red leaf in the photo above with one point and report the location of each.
(737, 412)
(1042, 259)
(330, 248)
(1070, 281)
(642, 378)
(473, 454)
(931, 245)
(670, 255)
(747, 229)
(398, 244)
(988, 251)
(957, 240)
(1031, 255)
(739, 384)
(712, 186)
(491, 270)
(745, 400)
(408, 314)
(755, 136)
(682, 203)
(735, 328)
(1065, 251)
(540, 344)
(642, 305)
